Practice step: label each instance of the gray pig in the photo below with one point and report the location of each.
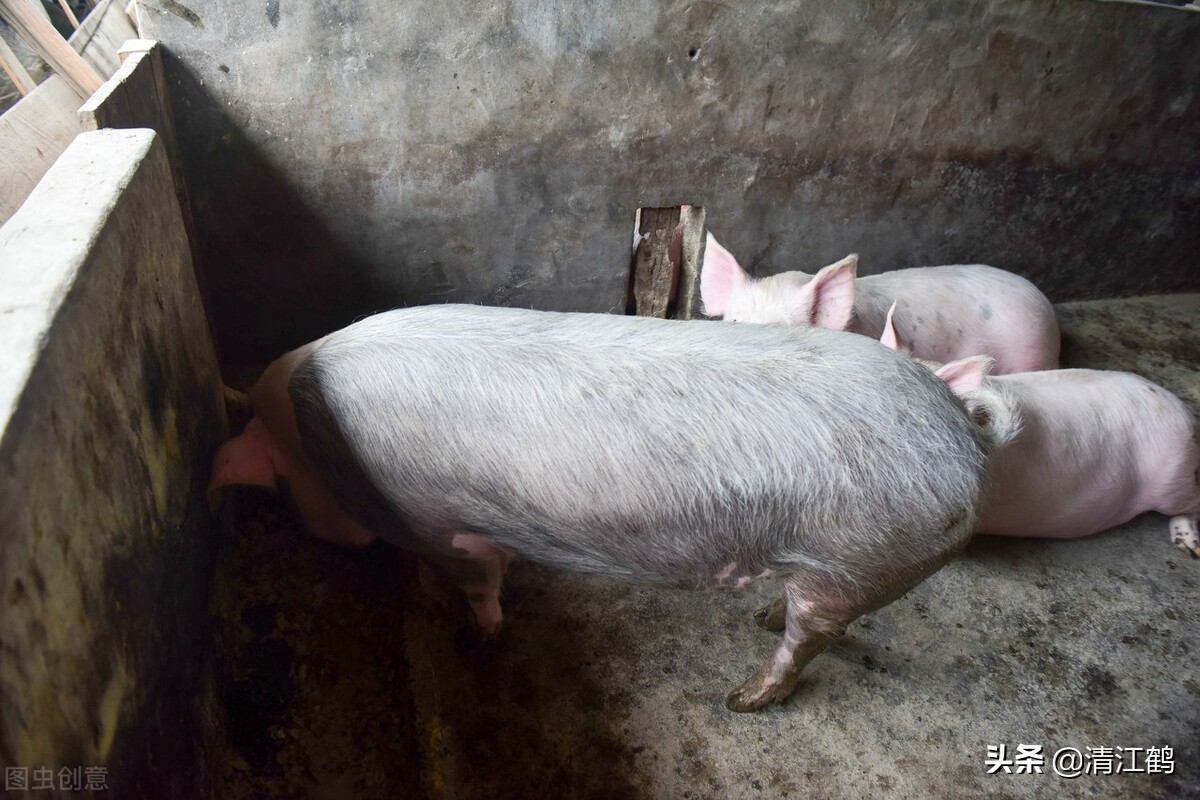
(683, 454)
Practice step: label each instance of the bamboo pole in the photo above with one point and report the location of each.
(23, 16)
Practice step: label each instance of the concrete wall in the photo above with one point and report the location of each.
(110, 408)
(346, 157)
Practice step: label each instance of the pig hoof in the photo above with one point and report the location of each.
(773, 616)
(1185, 535)
(756, 694)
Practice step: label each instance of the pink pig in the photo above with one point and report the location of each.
(950, 312)
(1095, 449)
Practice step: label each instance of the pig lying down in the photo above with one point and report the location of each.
(1095, 449)
(948, 312)
(681, 454)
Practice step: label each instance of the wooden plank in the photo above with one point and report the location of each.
(23, 16)
(655, 263)
(125, 100)
(101, 35)
(37, 129)
(136, 97)
(32, 135)
(15, 69)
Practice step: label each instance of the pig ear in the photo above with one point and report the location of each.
(243, 460)
(827, 301)
(721, 277)
(966, 374)
(891, 338)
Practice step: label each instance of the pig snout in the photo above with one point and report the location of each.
(243, 460)
(252, 459)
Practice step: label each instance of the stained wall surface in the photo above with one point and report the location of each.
(347, 157)
(110, 409)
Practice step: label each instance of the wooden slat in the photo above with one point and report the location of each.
(23, 16)
(687, 302)
(38, 128)
(70, 14)
(15, 69)
(33, 133)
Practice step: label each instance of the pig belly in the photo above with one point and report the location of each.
(1042, 504)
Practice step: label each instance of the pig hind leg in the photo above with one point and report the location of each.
(816, 610)
(809, 627)
(773, 616)
(1185, 534)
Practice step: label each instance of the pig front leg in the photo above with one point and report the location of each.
(1185, 534)
(479, 572)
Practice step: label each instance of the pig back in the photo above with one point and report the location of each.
(644, 449)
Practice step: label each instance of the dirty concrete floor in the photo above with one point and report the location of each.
(597, 690)
(311, 664)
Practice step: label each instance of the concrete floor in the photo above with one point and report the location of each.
(601, 691)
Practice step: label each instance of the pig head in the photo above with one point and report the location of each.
(268, 453)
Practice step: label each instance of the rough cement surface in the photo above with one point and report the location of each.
(351, 157)
(110, 402)
(597, 690)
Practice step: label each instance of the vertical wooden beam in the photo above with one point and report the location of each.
(655, 273)
(664, 279)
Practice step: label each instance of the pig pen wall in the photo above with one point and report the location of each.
(347, 157)
(110, 409)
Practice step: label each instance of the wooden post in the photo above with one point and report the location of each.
(664, 278)
(655, 272)
(35, 29)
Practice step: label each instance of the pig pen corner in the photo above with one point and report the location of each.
(205, 215)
